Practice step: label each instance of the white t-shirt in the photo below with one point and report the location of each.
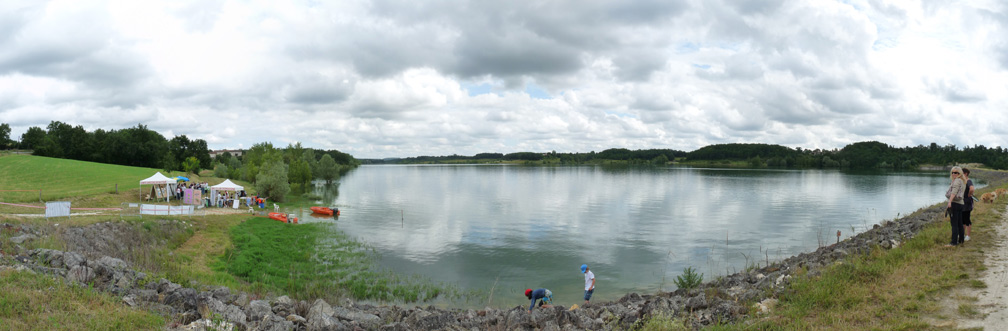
(588, 279)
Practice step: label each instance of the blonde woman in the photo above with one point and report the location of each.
(954, 207)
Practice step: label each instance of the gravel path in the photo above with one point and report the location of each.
(991, 303)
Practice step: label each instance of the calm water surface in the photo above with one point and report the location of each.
(515, 227)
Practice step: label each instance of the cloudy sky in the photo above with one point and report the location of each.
(406, 78)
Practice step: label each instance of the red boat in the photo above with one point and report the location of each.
(325, 211)
(283, 218)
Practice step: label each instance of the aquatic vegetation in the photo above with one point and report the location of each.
(315, 261)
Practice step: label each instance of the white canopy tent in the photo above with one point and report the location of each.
(226, 186)
(157, 179)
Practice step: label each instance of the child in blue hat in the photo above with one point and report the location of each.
(589, 282)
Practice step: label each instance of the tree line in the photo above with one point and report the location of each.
(137, 146)
(860, 155)
(640, 156)
(270, 169)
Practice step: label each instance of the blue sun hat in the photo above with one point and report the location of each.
(584, 267)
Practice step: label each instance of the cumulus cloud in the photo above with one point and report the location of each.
(405, 78)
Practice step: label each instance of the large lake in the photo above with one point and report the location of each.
(514, 227)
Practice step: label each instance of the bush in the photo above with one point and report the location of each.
(220, 171)
(689, 279)
(327, 168)
(660, 160)
(272, 181)
(191, 165)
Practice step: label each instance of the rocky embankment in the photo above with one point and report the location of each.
(724, 300)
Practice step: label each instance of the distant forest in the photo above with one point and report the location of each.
(861, 155)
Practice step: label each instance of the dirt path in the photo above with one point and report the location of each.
(992, 300)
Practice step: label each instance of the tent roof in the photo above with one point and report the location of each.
(158, 178)
(227, 185)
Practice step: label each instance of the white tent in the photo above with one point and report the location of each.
(227, 185)
(157, 179)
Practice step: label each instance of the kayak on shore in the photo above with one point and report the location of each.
(283, 218)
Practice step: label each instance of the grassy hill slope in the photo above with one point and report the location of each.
(62, 178)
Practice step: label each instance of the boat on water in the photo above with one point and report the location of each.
(325, 211)
(283, 218)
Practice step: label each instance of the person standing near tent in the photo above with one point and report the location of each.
(545, 295)
(589, 282)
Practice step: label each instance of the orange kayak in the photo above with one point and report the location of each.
(283, 218)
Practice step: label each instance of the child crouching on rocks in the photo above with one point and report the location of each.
(544, 294)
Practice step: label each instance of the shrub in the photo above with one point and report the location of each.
(221, 171)
(689, 279)
(272, 181)
(191, 165)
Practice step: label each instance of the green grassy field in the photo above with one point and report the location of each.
(39, 302)
(61, 178)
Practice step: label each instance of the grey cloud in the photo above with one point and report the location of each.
(755, 7)
(843, 101)
(802, 32)
(503, 116)
(599, 25)
(738, 68)
(735, 116)
(654, 101)
(375, 109)
(796, 62)
(638, 65)
(373, 51)
(316, 89)
(534, 38)
(999, 42)
(884, 90)
(790, 106)
(14, 16)
(74, 48)
(656, 116)
(744, 68)
(955, 90)
(510, 53)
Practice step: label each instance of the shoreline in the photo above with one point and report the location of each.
(725, 299)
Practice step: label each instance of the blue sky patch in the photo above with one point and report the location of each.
(687, 47)
(536, 92)
(475, 90)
